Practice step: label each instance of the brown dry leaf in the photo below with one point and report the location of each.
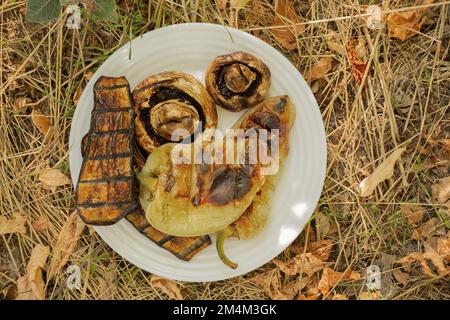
(286, 16)
(52, 178)
(66, 243)
(357, 56)
(414, 257)
(338, 296)
(308, 297)
(401, 277)
(170, 288)
(443, 248)
(40, 121)
(14, 225)
(270, 283)
(437, 261)
(330, 278)
(426, 230)
(40, 224)
(376, 295)
(384, 171)
(237, 4)
(320, 69)
(441, 191)
(78, 92)
(31, 286)
(320, 249)
(336, 47)
(405, 24)
(412, 213)
(291, 289)
(306, 263)
(88, 75)
(90, 5)
(107, 285)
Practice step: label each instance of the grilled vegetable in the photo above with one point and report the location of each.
(238, 80)
(194, 199)
(170, 106)
(188, 199)
(182, 247)
(106, 189)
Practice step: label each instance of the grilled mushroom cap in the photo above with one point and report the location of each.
(238, 80)
(170, 106)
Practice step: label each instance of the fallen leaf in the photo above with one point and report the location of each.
(308, 297)
(237, 4)
(107, 285)
(330, 278)
(320, 69)
(437, 261)
(441, 190)
(78, 92)
(286, 16)
(40, 121)
(338, 296)
(40, 224)
(221, 4)
(306, 263)
(320, 249)
(405, 24)
(375, 295)
(412, 213)
(31, 286)
(169, 287)
(384, 171)
(291, 289)
(414, 257)
(270, 284)
(88, 75)
(66, 243)
(14, 225)
(356, 55)
(401, 277)
(443, 248)
(52, 178)
(336, 47)
(426, 230)
(9, 292)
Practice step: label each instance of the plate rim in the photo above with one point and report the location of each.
(213, 28)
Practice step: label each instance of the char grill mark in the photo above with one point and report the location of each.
(106, 189)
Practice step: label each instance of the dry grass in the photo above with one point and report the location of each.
(405, 103)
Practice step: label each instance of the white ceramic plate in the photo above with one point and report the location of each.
(190, 48)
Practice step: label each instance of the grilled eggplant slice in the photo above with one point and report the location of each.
(182, 247)
(238, 80)
(107, 189)
(170, 106)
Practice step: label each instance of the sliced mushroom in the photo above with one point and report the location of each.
(170, 107)
(238, 80)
